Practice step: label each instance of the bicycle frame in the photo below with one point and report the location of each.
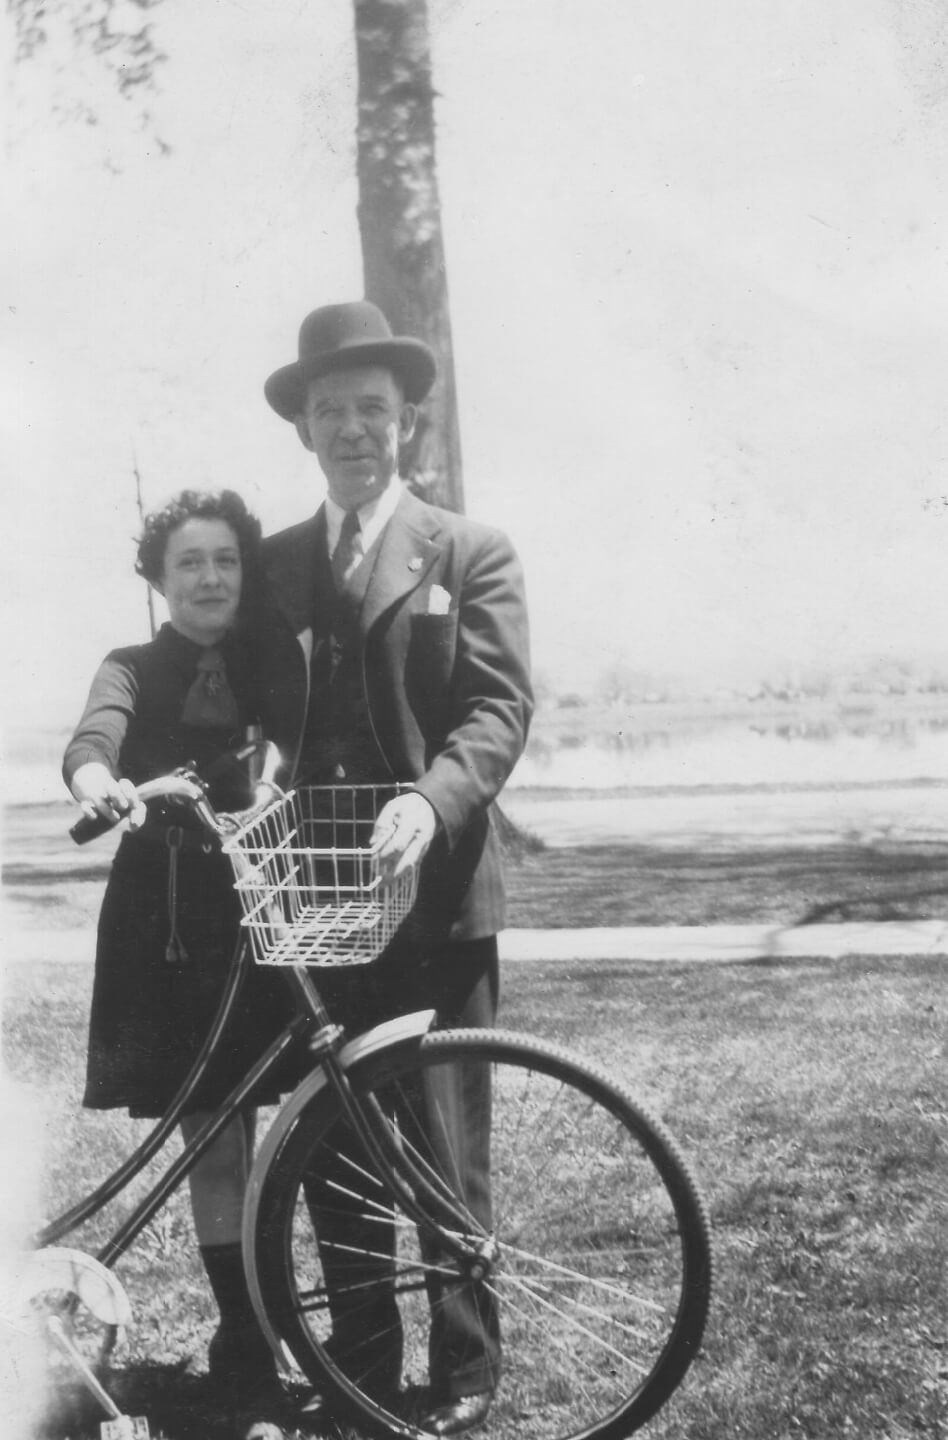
(333, 1055)
(618, 1261)
(115, 1183)
(333, 1059)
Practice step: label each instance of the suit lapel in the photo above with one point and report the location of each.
(408, 548)
(293, 569)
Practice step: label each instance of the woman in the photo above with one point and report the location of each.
(169, 919)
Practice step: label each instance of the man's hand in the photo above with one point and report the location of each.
(405, 828)
(99, 793)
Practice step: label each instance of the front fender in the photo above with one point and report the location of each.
(393, 1035)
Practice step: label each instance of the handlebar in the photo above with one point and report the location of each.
(186, 786)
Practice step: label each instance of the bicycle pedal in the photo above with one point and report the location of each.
(126, 1427)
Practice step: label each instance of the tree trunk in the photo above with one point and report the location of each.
(400, 221)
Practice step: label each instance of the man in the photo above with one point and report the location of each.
(412, 664)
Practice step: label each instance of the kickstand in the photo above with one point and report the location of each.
(118, 1426)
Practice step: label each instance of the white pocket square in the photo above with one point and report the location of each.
(439, 600)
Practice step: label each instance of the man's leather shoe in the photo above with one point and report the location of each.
(458, 1415)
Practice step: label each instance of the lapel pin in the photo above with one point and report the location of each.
(415, 563)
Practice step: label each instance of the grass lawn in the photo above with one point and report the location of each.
(723, 884)
(812, 1100)
(572, 887)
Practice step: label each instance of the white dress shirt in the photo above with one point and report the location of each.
(374, 515)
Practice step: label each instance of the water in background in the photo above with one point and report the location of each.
(710, 750)
(30, 767)
(578, 750)
(755, 781)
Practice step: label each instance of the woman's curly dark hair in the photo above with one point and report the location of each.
(224, 505)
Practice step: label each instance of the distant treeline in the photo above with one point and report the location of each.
(873, 681)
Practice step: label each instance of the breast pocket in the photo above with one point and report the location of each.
(432, 650)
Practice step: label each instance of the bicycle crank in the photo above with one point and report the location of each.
(81, 1306)
(118, 1426)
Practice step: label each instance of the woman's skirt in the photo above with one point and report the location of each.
(156, 992)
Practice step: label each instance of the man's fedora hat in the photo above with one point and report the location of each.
(336, 337)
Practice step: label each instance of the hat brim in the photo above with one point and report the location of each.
(411, 360)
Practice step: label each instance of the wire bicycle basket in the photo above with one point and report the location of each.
(308, 878)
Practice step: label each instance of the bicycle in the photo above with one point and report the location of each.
(592, 1254)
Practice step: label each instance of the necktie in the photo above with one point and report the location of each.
(210, 700)
(345, 553)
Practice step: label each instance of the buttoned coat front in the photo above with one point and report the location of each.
(448, 694)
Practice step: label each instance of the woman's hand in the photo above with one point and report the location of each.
(99, 793)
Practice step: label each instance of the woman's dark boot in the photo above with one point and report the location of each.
(240, 1365)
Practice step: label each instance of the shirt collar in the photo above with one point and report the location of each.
(374, 515)
(186, 651)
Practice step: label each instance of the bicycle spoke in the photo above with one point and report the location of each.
(588, 1258)
(564, 1274)
(577, 1305)
(575, 1359)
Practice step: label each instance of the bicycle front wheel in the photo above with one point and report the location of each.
(587, 1298)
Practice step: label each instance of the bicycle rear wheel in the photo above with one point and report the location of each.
(596, 1256)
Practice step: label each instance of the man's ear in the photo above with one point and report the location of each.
(407, 418)
(302, 431)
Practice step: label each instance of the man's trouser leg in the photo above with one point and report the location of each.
(460, 981)
(464, 1348)
(356, 1239)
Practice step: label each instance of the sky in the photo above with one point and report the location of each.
(697, 269)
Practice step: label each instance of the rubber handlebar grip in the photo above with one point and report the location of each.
(90, 827)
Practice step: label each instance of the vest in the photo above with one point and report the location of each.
(338, 742)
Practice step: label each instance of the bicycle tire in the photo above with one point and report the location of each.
(601, 1275)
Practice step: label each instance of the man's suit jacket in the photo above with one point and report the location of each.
(448, 695)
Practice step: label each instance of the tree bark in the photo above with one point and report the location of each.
(400, 221)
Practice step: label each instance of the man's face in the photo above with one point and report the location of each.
(354, 422)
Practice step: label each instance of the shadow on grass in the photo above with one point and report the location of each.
(720, 884)
(177, 1406)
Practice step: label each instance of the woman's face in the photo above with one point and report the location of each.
(201, 579)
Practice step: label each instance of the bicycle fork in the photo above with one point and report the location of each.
(415, 1186)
